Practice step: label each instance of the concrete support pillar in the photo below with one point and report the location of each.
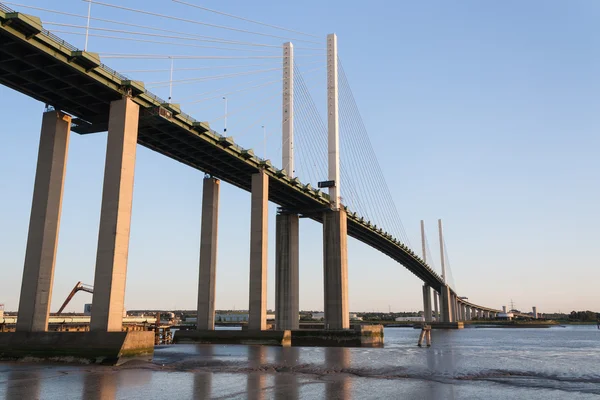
(457, 309)
(447, 312)
(479, 314)
(453, 305)
(115, 217)
(435, 305)
(427, 303)
(468, 313)
(208, 254)
(259, 232)
(287, 257)
(335, 269)
(44, 222)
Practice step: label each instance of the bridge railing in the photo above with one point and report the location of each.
(62, 42)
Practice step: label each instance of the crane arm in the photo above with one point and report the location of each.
(79, 286)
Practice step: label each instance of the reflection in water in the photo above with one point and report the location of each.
(440, 362)
(203, 380)
(494, 369)
(202, 385)
(338, 359)
(256, 379)
(286, 382)
(102, 386)
(23, 385)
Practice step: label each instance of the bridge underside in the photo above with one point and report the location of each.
(54, 73)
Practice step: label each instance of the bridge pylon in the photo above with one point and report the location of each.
(287, 225)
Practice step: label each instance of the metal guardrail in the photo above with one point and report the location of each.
(58, 40)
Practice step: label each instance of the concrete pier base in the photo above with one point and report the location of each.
(112, 348)
(358, 336)
(269, 338)
(445, 325)
(287, 255)
(335, 267)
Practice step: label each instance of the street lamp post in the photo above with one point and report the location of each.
(87, 26)
(264, 142)
(171, 81)
(225, 127)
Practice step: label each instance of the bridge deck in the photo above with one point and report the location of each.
(46, 68)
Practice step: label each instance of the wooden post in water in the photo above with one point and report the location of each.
(425, 334)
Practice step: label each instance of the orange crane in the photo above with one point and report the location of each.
(79, 286)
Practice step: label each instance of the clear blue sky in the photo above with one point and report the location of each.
(484, 114)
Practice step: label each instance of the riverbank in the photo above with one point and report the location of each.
(511, 324)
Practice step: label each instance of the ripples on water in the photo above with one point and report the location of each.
(555, 363)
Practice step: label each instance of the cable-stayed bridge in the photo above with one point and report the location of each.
(86, 96)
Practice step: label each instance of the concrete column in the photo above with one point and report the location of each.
(287, 304)
(115, 217)
(447, 314)
(208, 254)
(435, 305)
(44, 222)
(335, 269)
(427, 303)
(453, 307)
(456, 310)
(464, 312)
(458, 317)
(468, 313)
(479, 314)
(259, 230)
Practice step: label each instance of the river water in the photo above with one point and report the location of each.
(476, 363)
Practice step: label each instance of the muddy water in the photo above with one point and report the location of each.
(554, 363)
